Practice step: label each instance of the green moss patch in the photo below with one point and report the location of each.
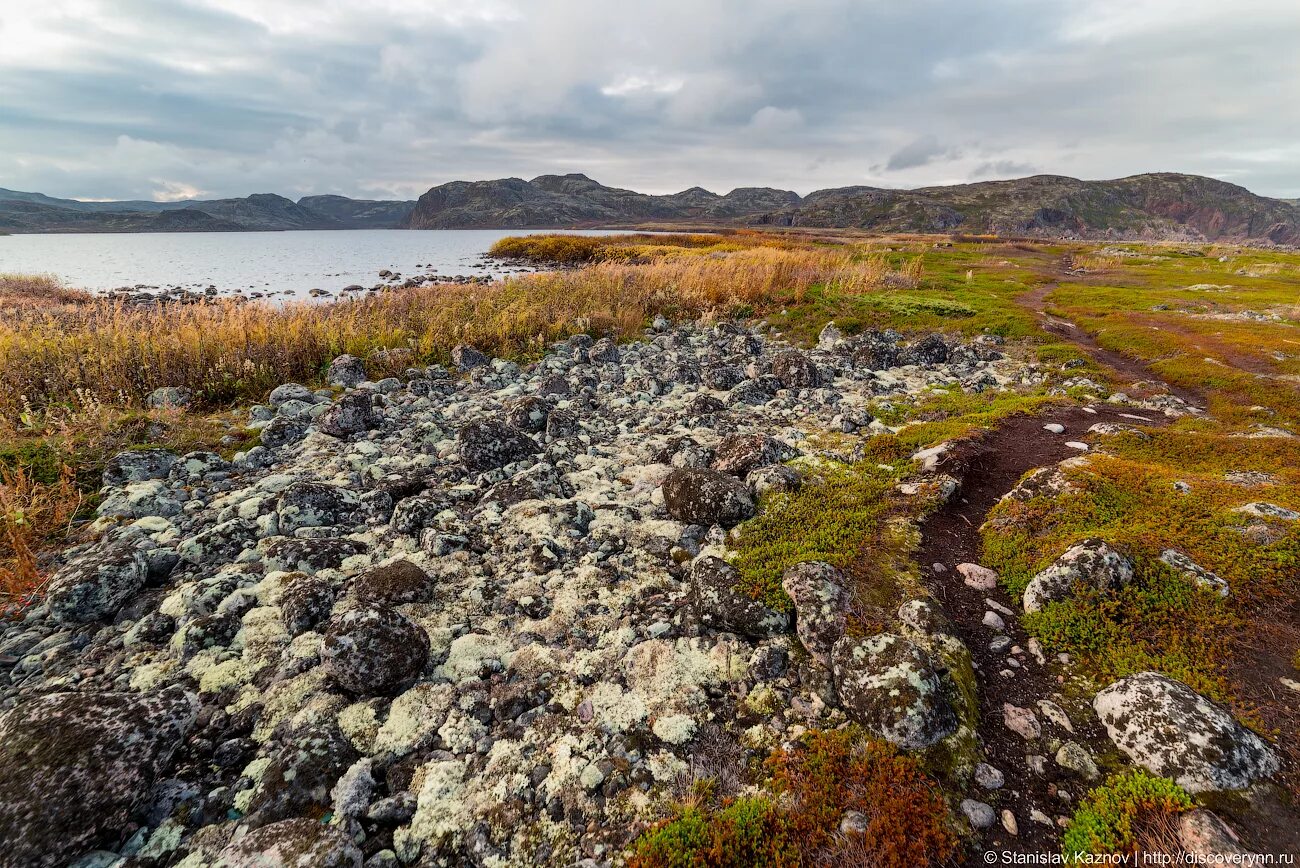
(1117, 816)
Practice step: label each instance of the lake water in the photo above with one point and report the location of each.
(253, 262)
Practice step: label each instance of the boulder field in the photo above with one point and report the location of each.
(487, 616)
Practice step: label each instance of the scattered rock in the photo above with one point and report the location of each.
(702, 496)
(1021, 721)
(371, 650)
(721, 603)
(346, 371)
(891, 687)
(1091, 562)
(820, 600)
(980, 578)
(490, 444)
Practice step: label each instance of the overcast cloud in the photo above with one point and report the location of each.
(164, 99)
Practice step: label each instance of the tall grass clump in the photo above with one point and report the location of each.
(34, 516)
(226, 352)
(33, 291)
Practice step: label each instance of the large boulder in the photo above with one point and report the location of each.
(795, 370)
(1171, 730)
(290, 554)
(304, 603)
(372, 649)
(1092, 563)
(305, 763)
(282, 431)
(820, 601)
(138, 465)
(394, 583)
(295, 843)
(96, 584)
(351, 414)
(466, 358)
(490, 444)
(314, 504)
(738, 454)
(697, 495)
(720, 603)
(347, 371)
(74, 766)
(891, 687)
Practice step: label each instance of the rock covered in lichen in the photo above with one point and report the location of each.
(372, 649)
(1092, 562)
(1171, 730)
(720, 601)
(702, 496)
(890, 686)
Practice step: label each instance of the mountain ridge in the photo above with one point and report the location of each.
(1152, 206)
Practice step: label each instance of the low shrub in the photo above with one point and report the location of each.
(1130, 812)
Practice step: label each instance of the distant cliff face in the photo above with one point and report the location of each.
(1159, 206)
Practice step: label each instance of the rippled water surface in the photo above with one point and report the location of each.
(251, 262)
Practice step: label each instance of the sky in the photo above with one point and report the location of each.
(172, 99)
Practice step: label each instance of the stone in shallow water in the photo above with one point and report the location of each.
(74, 765)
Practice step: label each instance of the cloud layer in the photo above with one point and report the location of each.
(164, 99)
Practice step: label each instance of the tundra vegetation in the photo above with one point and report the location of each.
(1221, 322)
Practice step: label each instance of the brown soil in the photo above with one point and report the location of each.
(988, 467)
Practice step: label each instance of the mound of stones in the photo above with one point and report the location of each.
(478, 615)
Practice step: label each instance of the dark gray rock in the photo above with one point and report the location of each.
(528, 413)
(169, 398)
(930, 350)
(465, 358)
(351, 414)
(698, 495)
(76, 765)
(295, 843)
(490, 444)
(303, 769)
(372, 649)
(290, 392)
(314, 504)
(602, 351)
(720, 603)
(96, 584)
(738, 454)
(347, 371)
(307, 555)
(891, 687)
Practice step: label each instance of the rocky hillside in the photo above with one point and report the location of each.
(1164, 206)
(491, 617)
(34, 212)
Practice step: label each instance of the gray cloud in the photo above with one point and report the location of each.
(160, 98)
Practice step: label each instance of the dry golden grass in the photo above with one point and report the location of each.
(77, 356)
(34, 516)
(32, 291)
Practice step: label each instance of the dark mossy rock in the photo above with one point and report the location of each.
(351, 414)
(76, 765)
(393, 583)
(304, 768)
(304, 603)
(697, 495)
(372, 649)
(297, 842)
(721, 603)
(307, 555)
(892, 687)
(490, 444)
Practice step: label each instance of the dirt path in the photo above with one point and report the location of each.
(1129, 369)
(988, 467)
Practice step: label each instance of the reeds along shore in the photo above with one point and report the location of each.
(61, 350)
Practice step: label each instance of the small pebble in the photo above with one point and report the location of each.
(994, 620)
(1009, 822)
(1054, 428)
(981, 816)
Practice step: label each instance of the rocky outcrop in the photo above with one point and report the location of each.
(1171, 730)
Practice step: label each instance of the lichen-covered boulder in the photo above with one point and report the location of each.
(773, 479)
(295, 843)
(874, 350)
(602, 351)
(394, 583)
(466, 358)
(307, 555)
(303, 768)
(282, 431)
(346, 371)
(351, 414)
(820, 601)
(372, 649)
(314, 504)
(220, 543)
(169, 398)
(287, 392)
(305, 602)
(142, 500)
(528, 413)
(1194, 572)
(96, 584)
(490, 444)
(720, 603)
(795, 370)
(698, 495)
(75, 765)
(413, 514)
(738, 454)
(1091, 562)
(138, 465)
(1171, 730)
(891, 687)
(930, 350)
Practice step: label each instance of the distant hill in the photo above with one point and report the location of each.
(36, 212)
(1163, 206)
(1157, 206)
